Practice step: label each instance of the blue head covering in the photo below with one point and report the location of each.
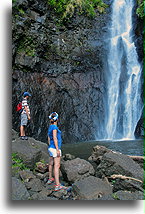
(26, 94)
(53, 116)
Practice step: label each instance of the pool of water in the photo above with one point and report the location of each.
(84, 149)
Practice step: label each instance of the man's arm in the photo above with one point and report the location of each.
(48, 140)
(28, 115)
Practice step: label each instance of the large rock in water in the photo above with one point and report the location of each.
(98, 152)
(76, 169)
(116, 163)
(19, 191)
(91, 188)
(30, 151)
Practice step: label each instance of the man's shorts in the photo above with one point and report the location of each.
(53, 153)
(24, 119)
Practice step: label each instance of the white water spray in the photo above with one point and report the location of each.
(124, 73)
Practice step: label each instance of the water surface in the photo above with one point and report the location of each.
(84, 149)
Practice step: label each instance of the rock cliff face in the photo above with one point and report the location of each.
(62, 66)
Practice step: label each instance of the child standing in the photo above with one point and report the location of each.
(54, 149)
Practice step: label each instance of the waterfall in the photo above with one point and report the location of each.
(124, 105)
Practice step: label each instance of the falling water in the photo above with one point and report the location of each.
(124, 74)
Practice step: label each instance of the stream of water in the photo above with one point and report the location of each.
(124, 106)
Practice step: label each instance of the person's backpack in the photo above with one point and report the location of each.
(19, 107)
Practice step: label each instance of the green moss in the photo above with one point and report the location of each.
(17, 162)
(66, 8)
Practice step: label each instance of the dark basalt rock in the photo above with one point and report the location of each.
(91, 188)
(28, 184)
(116, 163)
(62, 68)
(19, 191)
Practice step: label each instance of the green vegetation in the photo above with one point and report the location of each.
(144, 46)
(42, 161)
(21, 11)
(140, 10)
(17, 162)
(141, 13)
(67, 8)
(113, 181)
(17, 10)
(27, 47)
(115, 196)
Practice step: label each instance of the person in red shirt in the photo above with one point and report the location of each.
(25, 115)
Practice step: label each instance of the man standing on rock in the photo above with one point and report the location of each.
(25, 115)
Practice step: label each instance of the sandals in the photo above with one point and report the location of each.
(50, 181)
(59, 187)
(23, 137)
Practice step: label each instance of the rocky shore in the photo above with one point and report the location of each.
(106, 175)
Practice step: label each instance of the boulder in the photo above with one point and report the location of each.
(41, 176)
(127, 185)
(19, 191)
(91, 188)
(26, 175)
(139, 160)
(68, 157)
(45, 156)
(116, 163)
(106, 197)
(41, 167)
(30, 151)
(42, 197)
(15, 171)
(97, 153)
(35, 185)
(15, 134)
(123, 195)
(76, 169)
(46, 191)
(60, 194)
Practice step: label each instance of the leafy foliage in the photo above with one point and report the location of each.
(141, 8)
(114, 195)
(67, 8)
(17, 162)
